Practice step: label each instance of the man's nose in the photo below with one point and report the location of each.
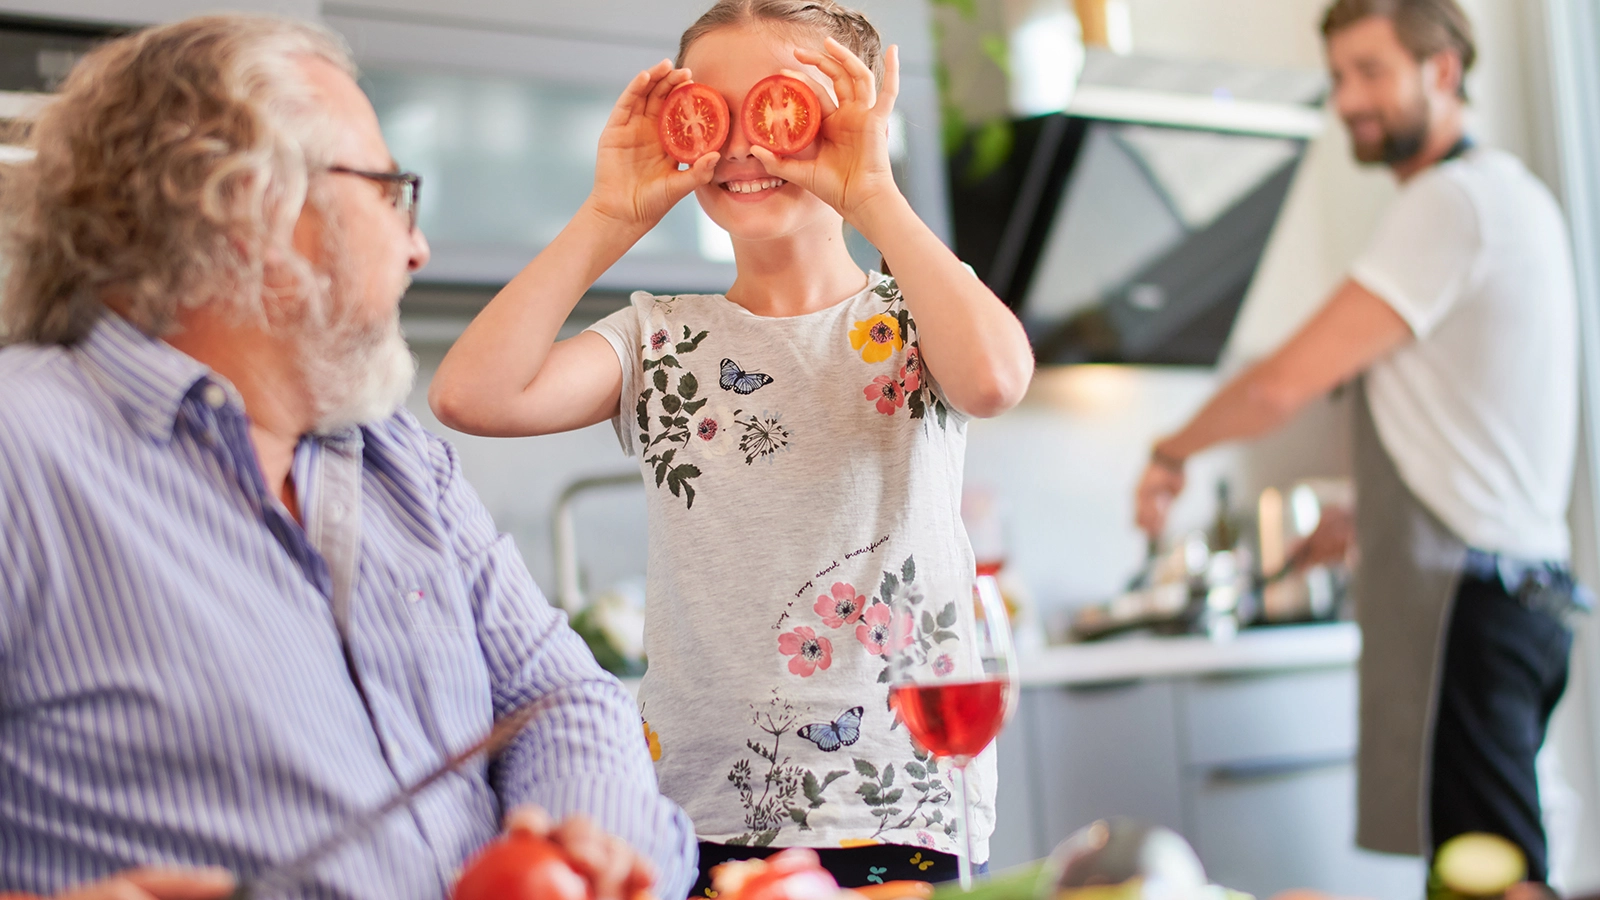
(419, 252)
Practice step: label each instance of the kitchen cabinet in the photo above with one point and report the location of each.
(1245, 751)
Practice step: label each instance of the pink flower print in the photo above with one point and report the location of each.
(873, 632)
(911, 372)
(888, 393)
(900, 631)
(807, 653)
(707, 429)
(925, 839)
(659, 340)
(839, 607)
(944, 665)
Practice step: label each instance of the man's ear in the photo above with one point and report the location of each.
(1443, 73)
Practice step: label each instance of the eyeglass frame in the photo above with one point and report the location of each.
(409, 197)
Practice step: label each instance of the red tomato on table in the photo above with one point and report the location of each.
(782, 114)
(520, 866)
(694, 122)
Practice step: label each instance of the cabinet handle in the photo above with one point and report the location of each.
(1258, 770)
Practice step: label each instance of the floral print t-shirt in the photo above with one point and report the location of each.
(801, 473)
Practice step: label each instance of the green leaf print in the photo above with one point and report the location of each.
(867, 770)
(693, 407)
(688, 385)
(915, 770)
(890, 585)
(908, 572)
(888, 776)
(660, 380)
(947, 616)
(689, 345)
(669, 362)
(928, 623)
(799, 816)
(765, 838)
(671, 403)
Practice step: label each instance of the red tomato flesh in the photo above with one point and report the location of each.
(520, 866)
(782, 114)
(694, 122)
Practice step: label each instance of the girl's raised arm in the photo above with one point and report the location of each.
(971, 343)
(506, 375)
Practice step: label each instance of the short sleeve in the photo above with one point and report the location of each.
(621, 330)
(1423, 255)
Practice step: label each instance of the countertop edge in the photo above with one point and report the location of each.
(1286, 647)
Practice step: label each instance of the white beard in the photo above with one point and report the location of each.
(357, 373)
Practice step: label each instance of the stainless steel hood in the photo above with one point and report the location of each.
(1128, 228)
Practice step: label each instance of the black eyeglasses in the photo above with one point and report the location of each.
(404, 189)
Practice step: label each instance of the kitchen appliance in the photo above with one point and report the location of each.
(1129, 227)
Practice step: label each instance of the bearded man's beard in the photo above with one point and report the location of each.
(1402, 141)
(358, 370)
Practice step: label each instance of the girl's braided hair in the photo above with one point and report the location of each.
(826, 17)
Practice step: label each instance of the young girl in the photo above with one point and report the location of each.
(801, 439)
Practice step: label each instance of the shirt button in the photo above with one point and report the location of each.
(414, 596)
(215, 396)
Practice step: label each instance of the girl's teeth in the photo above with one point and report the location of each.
(751, 187)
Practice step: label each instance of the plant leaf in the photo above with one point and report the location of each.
(688, 385)
(671, 403)
(660, 381)
(947, 616)
(867, 770)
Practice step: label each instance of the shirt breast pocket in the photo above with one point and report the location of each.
(434, 602)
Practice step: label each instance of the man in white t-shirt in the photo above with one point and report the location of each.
(1460, 319)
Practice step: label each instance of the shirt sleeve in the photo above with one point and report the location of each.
(621, 330)
(584, 750)
(1422, 257)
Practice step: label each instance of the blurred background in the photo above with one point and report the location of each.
(1157, 188)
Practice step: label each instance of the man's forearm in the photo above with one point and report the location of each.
(1248, 406)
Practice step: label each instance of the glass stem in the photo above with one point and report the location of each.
(958, 775)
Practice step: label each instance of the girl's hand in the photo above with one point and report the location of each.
(851, 168)
(635, 181)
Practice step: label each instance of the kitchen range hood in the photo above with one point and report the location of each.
(1128, 228)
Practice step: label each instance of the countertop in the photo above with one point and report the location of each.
(1280, 647)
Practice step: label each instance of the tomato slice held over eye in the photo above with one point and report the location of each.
(694, 122)
(782, 114)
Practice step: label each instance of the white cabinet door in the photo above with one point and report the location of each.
(1267, 829)
(1096, 752)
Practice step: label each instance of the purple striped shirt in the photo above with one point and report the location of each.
(188, 676)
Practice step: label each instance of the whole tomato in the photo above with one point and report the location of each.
(520, 866)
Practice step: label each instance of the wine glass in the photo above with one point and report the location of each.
(953, 682)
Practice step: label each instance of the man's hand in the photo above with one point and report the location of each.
(150, 884)
(613, 869)
(1160, 484)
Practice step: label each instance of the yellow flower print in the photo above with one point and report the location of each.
(878, 338)
(653, 740)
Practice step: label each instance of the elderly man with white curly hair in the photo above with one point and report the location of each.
(243, 596)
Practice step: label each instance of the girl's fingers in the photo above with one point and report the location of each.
(891, 85)
(844, 85)
(681, 183)
(622, 112)
(781, 167)
(860, 73)
(658, 94)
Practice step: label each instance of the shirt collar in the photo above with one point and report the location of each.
(145, 377)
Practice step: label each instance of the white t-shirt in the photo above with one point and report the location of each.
(800, 472)
(1480, 413)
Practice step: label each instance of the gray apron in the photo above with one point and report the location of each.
(1410, 565)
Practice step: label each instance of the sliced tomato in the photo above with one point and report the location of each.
(782, 114)
(694, 122)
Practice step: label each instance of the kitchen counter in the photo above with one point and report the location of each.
(1139, 657)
